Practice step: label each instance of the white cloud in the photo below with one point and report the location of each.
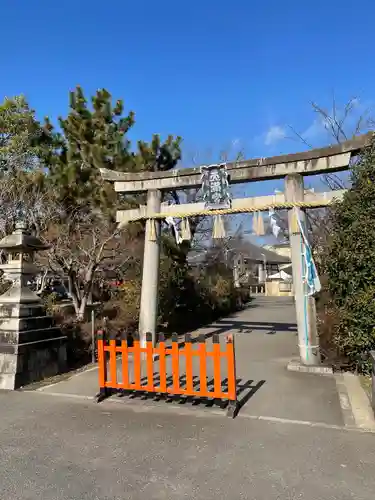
(274, 134)
(356, 102)
(315, 131)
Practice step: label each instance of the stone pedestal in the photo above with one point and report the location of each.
(31, 346)
(372, 356)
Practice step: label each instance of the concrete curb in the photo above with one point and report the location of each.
(346, 408)
(296, 366)
(356, 399)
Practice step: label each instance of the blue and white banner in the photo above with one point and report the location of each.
(172, 223)
(311, 277)
(274, 223)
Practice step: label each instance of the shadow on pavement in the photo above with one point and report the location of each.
(247, 326)
(245, 391)
(223, 327)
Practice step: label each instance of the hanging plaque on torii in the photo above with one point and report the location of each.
(215, 186)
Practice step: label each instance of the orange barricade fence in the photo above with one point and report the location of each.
(169, 368)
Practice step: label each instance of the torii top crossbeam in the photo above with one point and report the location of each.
(315, 161)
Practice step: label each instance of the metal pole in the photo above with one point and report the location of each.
(265, 274)
(93, 335)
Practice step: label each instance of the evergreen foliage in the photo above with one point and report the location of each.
(349, 263)
(25, 143)
(96, 137)
(56, 178)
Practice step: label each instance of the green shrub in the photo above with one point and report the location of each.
(49, 301)
(122, 310)
(349, 264)
(183, 302)
(78, 342)
(186, 302)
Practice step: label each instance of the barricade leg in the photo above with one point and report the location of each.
(232, 408)
(233, 405)
(104, 392)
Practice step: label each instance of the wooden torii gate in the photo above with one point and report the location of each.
(292, 168)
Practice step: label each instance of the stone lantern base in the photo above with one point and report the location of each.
(31, 347)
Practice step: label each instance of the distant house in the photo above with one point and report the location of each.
(281, 282)
(265, 271)
(280, 248)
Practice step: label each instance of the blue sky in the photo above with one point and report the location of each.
(223, 75)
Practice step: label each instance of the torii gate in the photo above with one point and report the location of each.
(293, 168)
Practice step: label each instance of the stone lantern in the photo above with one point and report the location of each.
(31, 347)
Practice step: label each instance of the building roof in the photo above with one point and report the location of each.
(247, 249)
(284, 244)
(255, 253)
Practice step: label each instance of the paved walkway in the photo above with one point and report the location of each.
(289, 441)
(266, 339)
(63, 448)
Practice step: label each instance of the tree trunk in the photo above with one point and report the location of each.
(73, 289)
(43, 282)
(82, 308)
(80, 297)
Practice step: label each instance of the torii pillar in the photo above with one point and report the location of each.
(308, 340)
(150, 273)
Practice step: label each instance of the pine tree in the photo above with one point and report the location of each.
(92, 138)
(155, 157)
(96, 138)
(25, 143)
(350, 263)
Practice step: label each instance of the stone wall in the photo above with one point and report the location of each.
(25, 363)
